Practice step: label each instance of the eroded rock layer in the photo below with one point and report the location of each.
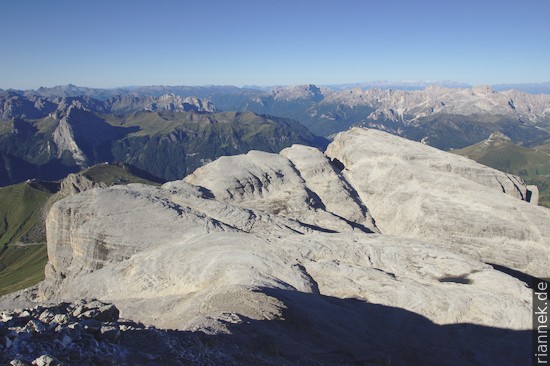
(331, 259)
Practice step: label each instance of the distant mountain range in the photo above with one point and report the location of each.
(433, 114)
(532, 88)
(71, 90)
(442, 117)
(168, 136)
(170, 131)
(301, 256)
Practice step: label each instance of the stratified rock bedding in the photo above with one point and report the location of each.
(416, 191)
(287, 248)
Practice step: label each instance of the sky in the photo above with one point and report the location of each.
(110, 43)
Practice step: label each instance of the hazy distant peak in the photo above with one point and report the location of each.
(483, 89)
(308, 91)
(173, 102)
(400, 85)
(436, 88)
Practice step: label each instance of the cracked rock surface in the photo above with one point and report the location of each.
(374, 253)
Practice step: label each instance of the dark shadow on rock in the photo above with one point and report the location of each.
(140, 173)
(321, 142)
(206, 193)
(337, 165)
(317, 228)
(313, 330)
(458, 279)
(524, 277)
(325, 330)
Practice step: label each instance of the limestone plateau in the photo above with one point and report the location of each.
(380, 251)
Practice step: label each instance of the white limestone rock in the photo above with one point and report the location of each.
(282, 245)
(270, 183)
(322, 178)
(416, 191)
(174, 266)
(64, 138)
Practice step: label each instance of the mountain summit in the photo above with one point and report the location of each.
(312, 252)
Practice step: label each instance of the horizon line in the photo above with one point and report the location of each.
(458, 84)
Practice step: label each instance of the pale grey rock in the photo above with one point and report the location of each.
(497, 137)
(189, 268)
(35, 326)
(46, 316)
(45, 360)
(91, 245)
(416, 191)
(176, 103)
(278, 243)
(323, 179)
(300, 92)
(408, 106)
(274, 184)
(64, 139)
(76, 183)
(110, 333)
(17, 362)
(61, 318)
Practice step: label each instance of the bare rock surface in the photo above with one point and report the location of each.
(416, 191)
(276, 259)
(76, 183)
(273, 184)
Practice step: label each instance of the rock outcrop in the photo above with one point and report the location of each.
(416, 191)
(76, 183)
(283, 248)
(91, 333)
(306, 188)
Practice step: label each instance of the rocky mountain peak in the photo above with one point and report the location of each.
(483, 89)
(498, 137)
(176, 103)
(309, 91)
(14, 105)
(435, 88)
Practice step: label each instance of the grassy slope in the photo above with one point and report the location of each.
(20, 212)
(21, 208)
(21, 267)
(172, 145)
(532, 164)
(163, 123)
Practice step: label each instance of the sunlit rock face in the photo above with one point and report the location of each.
(416, 191)
(315, 252)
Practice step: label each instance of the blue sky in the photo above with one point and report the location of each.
(108, 43)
